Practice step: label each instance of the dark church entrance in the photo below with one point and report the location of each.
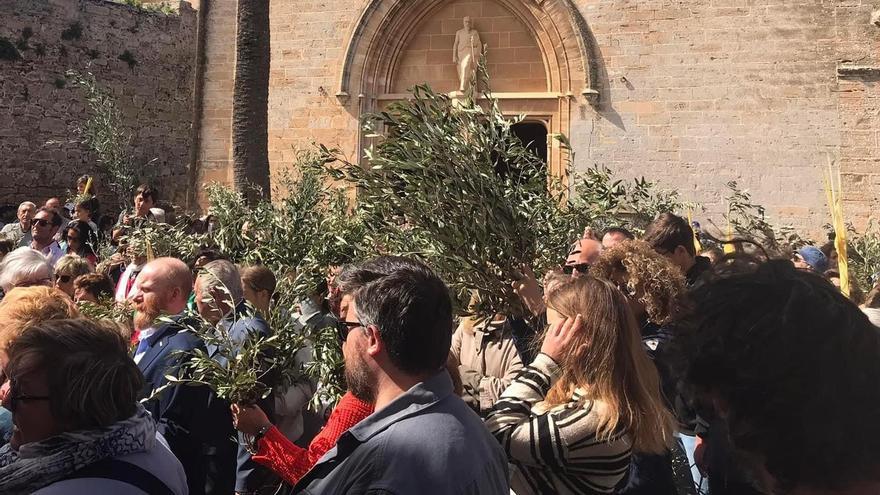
(534, 136)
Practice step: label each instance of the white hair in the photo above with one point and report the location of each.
(24, 265)
(221, 275)
(27, 204)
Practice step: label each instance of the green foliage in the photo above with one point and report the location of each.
(608, 202)
(106, 136)
(327, 368)
(60, 82)
(452, 183)
(161, 8)
(107, 309)
(240, 373)
(162, 239)
(72, 32)
(749, 221)
(864, 256)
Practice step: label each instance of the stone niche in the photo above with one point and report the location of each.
(514, 60)
(536, 54)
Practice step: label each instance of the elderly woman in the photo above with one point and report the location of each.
(25, 267)
(68, 268)
(79, 428)
(26, 305)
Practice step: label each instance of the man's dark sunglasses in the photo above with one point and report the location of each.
(344, 327)
(580, 268)
(41, 222)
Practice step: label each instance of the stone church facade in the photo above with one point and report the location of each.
(691, 94)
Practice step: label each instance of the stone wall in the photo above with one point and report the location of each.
(145, 59)
(700, 93)
(692, 94)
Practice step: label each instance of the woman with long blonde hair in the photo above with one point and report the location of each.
(571, 420)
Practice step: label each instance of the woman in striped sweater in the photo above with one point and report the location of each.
(571, 419)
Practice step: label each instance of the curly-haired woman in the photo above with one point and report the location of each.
(655, 289)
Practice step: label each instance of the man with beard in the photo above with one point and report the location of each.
(396, 327)
(190, 417)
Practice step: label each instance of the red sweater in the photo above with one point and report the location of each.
(292, 462)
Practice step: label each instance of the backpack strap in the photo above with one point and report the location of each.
(125, 472)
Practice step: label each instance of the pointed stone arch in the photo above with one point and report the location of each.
(384, 28)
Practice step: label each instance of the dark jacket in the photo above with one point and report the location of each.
(189, 417)
(426, 442)
(241, 325)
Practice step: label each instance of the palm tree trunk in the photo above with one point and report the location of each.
(250, 105)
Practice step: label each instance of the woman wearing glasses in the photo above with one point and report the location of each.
(81, 241)
(78, 426)
(68, 268)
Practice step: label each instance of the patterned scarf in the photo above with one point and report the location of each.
(39, 464)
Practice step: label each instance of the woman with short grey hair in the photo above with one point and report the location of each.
(25, 267)
(79, 428)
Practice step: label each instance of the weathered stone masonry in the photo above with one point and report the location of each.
(39, 111)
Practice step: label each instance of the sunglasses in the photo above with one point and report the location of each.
(580, 268)
(41, 222)
(344, 327)
(63, 278)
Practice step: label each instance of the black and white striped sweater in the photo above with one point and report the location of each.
(555, 451)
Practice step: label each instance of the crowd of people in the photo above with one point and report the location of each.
(639, 366)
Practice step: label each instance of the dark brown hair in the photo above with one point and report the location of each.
(669, 231)
(92, 380)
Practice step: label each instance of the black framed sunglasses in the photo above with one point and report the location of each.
(344, 327)
(579, 267)
(63, 278)
(41, 222)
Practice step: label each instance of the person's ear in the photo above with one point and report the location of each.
(374, 341)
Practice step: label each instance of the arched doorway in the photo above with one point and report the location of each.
(398, 43)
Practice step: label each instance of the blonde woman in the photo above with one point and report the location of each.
(570, 421)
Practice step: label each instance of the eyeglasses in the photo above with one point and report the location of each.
(41, 222)
(579, 267)
(14, 398)
(63, 278)
(344, 327)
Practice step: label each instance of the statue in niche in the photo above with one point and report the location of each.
(466, 53)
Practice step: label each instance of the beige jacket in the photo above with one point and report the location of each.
(488, 361)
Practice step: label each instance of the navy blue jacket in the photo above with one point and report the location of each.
(191, 418)
(241, 325)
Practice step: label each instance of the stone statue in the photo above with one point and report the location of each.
(466, 53)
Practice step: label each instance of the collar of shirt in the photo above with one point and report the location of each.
(420, 397)
(147, 333)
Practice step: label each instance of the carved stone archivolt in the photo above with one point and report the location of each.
(385, 26)
(385, 29)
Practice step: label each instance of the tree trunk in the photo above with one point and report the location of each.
(250, 101)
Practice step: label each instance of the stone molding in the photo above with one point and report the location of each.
(384, 28)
